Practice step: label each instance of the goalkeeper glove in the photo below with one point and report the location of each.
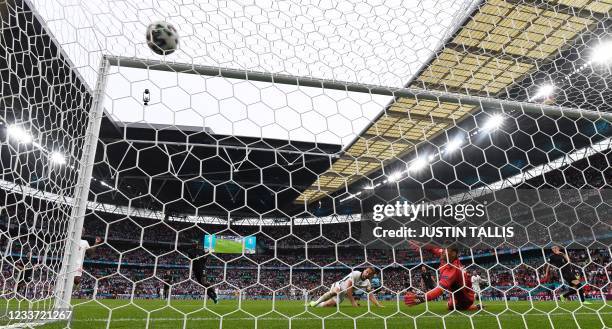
(412, 299)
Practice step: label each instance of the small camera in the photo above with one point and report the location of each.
(146, 97)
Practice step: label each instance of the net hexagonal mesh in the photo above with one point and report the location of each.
(300, 165)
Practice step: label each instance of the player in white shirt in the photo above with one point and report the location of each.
(83, 249)
(476, 281)
(346, 287)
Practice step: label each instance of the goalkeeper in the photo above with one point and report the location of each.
(452, 278)
(198, 269)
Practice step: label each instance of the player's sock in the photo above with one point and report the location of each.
(212, 294)
(569, 293)
(581, 295)
(323, 298)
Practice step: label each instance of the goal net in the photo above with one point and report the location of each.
(298, 165)
(44, 124)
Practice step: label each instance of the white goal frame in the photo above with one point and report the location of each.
(64, 287)
(65, 280)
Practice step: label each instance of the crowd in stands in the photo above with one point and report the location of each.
(512, 280)
(142, 273)
(305, 258)
(141, 255)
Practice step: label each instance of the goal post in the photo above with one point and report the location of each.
(71, 261)
(44, 113)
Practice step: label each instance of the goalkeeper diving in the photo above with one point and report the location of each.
(346, 288)
(453, 278)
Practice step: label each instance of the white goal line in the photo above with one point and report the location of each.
(314, 317)
(303, 318)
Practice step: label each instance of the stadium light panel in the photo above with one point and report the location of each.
(19, 134)
(394, 177)
(493, 123)
(602, 53)
(543, 92)
(57, 158)
(453, 145)
(418, 164)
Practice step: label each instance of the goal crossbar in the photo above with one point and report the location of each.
(487, 104)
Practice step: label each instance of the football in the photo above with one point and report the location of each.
(162, 38)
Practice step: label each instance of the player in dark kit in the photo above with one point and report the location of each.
(427, 281)
(198, 269)
(166, 285)
(570, 274)
(25, 271)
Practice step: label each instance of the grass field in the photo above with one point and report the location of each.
(228, 247)
(293, 314)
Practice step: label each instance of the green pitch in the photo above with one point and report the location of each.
(228, 247)
(284, 314)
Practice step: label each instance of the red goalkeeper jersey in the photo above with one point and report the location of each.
(454, 279)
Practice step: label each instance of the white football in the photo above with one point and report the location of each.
(162, 38)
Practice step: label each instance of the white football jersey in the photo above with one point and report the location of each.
(358, 282)
(83, 246)
(476, 281)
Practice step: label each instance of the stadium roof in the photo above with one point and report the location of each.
(499, 45)
(204, 173)
(232, 172)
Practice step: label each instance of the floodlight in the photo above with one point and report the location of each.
(493, 123)
(544, 92)
(418, 164)
(19, 134)
(394, 177)
(57, 158)
(602, 53)
(453, 145)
